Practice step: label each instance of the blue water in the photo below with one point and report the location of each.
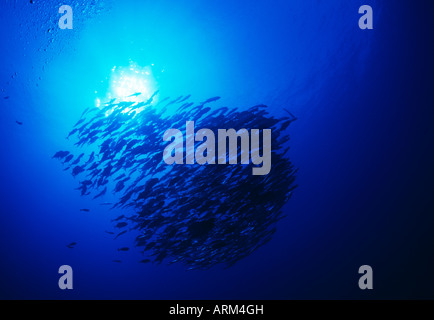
(362, 141)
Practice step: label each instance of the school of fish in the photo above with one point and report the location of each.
(198, 215)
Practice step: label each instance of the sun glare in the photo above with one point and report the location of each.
(131, 84)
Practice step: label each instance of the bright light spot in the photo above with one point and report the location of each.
(132, 83)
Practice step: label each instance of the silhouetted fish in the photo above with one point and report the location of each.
(185, 98)
(79, 121)
(196, 215)
(77, 170)
(71, 245)
(210, 100)
(91, 158)
(144, 261)
(20, 123)
(84, 112)
(60, 154)
(121, 225)
(119, 234)
(294, 117)
(76, 161)
(101, 193)
(68, 158)
(118, 218)
(135, 94)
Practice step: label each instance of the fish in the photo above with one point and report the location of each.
(186, 105)
(294, 117)
(71, 245)
(93, 166)
(117, 261)
(91, 158)
(60, 154)
(150, 245)
(85, 210)
(185, 98)
(210, 100)
(84, 112)
(68, 158)
(101, 193)
(152, 97)
(76, 161)
(119, 186)
(120, 177)
(77, 170)
(174, 101)
(121, 225)
(195, 215)
(145, 261)
(79, 121)
(119, 234)
(118, 218)
(135, 94)
(124, 249)
(18, 122)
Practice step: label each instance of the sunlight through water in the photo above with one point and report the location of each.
(132, 83)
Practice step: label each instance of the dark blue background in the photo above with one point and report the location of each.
(363, 142)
